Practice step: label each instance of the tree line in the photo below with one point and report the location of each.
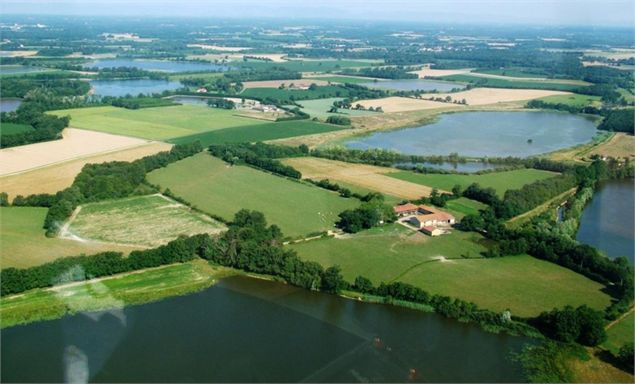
(260, 155)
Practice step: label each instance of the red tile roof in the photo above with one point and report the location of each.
(405, 208)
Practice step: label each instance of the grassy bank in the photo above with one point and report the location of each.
(451, 265)
(112, 292)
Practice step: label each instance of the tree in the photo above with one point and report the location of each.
(332, 280)
(363, 285)
(625, 356)
(4, 199)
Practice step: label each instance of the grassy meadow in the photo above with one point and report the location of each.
(289, 95)
(511, 83)
(259, 132)
(23, 244)
(463, 206)
(217, 188)
(342, 79)
(112, 292)
(305, 65)
(159, 123)
(140, 220)
(525, 285)
(620, 333)
(319, 108)
(574, 100)
(500, 181)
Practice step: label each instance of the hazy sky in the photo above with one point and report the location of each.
(558, 12)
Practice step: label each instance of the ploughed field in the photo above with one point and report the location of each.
(140, 220)
(451, 265)
(217, 188)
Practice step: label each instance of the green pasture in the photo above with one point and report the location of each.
(505, 83)
(217, 188)
(500, 181)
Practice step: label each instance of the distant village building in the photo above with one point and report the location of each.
(201, 90)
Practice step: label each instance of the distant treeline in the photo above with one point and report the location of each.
(21, 86)
(96, 182)
(398, 72)
(127, 73)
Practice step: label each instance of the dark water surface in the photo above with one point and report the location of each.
(244, 330)
(468, 167)
(9, 105)
(607, 222)
(491, 134)
(118, 88)
(157, 65)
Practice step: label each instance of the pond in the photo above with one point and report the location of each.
(158, 65)
(607, 221)
(250, 330)
(9, 105)
(486, 134)
(414, 84)
(132, 87)
(468, 167)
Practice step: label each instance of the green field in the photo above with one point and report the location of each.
(287, 96)
(140, 220)
(319, 108)
(462, 207)
(620, 333)
(259, 132)
(525, 285)
(155, 123)
(512, 72)
(217, 188)
(341, 79)
(12, 128)
(575, 100)
(504, 83)
(110, 293)
(23, 244)
(500, 181)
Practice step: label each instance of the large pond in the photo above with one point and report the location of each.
(190, 100)
(491, 134)
(468, 167)
(607, 222)
(249, 330)
(9, 105)
(132, 87)
(413, 85)
(157, 65)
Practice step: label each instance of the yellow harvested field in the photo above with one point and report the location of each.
(429, 72)
(56, 177)
(299, 83)
(620, 145)
(362, 175)
(403, 104)
(75, 143)
(484, 96)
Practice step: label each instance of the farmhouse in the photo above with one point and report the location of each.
(432, 231)
(425, 218)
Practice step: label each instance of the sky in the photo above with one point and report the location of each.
(537, 12)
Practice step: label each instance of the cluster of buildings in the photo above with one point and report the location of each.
(426, 219)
